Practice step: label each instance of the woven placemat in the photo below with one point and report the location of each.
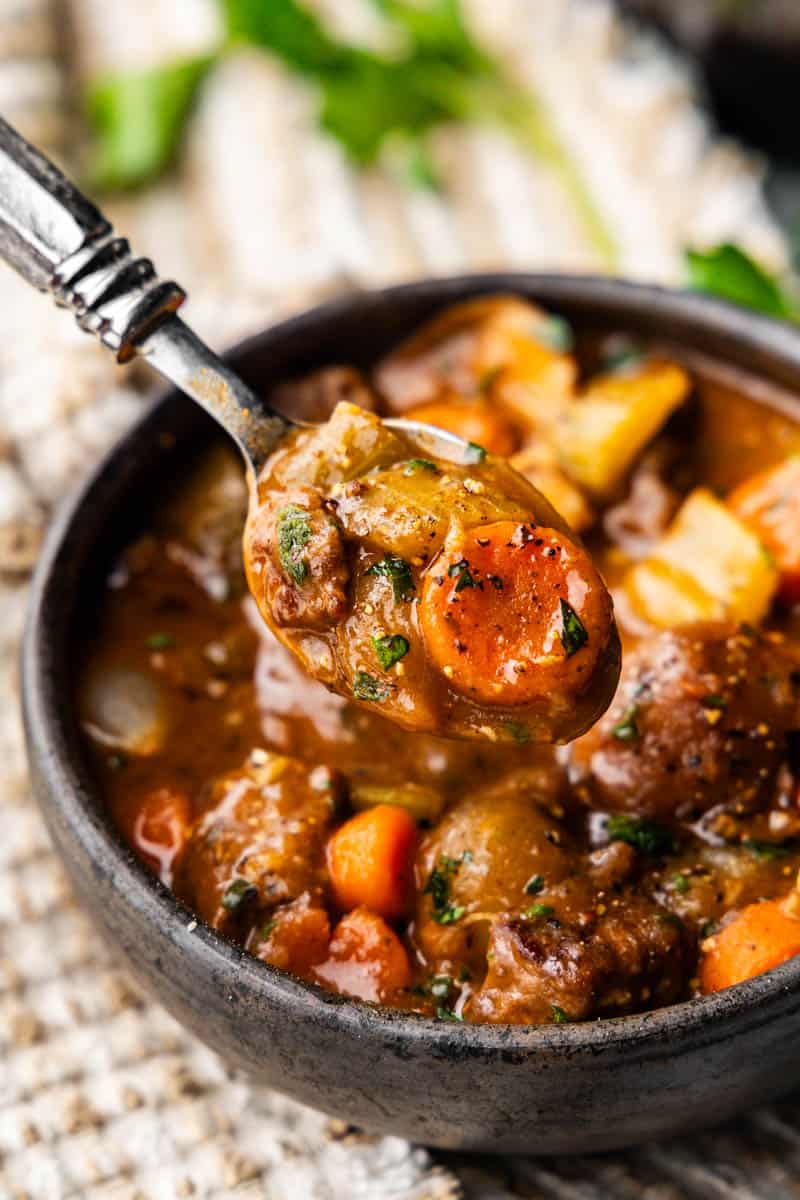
(102, 1095)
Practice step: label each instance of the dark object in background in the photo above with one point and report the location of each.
(749, 53)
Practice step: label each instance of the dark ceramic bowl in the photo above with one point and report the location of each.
(541, 1090)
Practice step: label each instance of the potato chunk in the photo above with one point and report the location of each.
(707, 567)
(614, 418)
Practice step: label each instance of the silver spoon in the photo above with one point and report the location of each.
(61, 243)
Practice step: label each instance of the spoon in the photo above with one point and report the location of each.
(61, 243)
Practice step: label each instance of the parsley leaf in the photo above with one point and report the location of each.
(294, 532)
(160, 641)
(420, 464)
(390, 649)
(461, 572)
(438, 888)
(767, 851)
(534, 885)
(138, 119)
(645, 836)
(518, 731)
(728, 272)
(473, 453)
(538, 910)
(238, 893)
(559, 1016)
(626, 729)
(573, 634)
(399, 572)
(367, 687)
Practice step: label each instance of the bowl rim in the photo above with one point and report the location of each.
(709, 1018)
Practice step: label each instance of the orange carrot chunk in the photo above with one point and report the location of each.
(370, 861)
(473, 420)
(770, 504)
(515, 613)
(160, 829)
(365, 959)
(760, 937)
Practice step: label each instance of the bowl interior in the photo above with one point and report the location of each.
(115, 503)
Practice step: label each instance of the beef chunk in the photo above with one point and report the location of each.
(296, 563)
(582, 962)
(700, 718)
(260, 841)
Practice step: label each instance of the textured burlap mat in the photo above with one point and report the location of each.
(102, 1095)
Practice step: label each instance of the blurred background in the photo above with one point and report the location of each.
(268, 154)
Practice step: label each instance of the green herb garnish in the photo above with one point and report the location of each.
(267, 928)
(438, 888)
(556, 333)
(645, 836)
(626, 729)
(398, 572)
(447, 1014)
(519, 732)
(713, 701)
(460, 570)
(765, 850)
(238, 893)
(680, 883)
(558, 1014)
(138, 118)
(390, 649)
(371, 101)
(160, 641)
(473, 453)
(534, 885)
(727, 271)
(420, 464)
(623, 359)
(367, 687)
(538, 910)
(294, 533)
(573, 634)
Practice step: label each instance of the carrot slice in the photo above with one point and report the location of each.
(514, 613)
(160, 829)
(769, 503)
(760, 937)
(370, 861)
(365, 959)
(473, 420)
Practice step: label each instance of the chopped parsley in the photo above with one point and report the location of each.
(534, 885)
(626, 729)
(538, 910)
(714, 701)
(367, 687)
(519, 732)
(556, 333)
(266, 930)
(766, 850)
(438, 888)
(447, 1014)
(420, 464)
(559, 1016)
(238, 893)
(160, 641)
(390, 649)
(462, 572)
(645, 836)
(294, 533)
(680, 883)
(398, 572)
(473, 453)
(573, 634)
